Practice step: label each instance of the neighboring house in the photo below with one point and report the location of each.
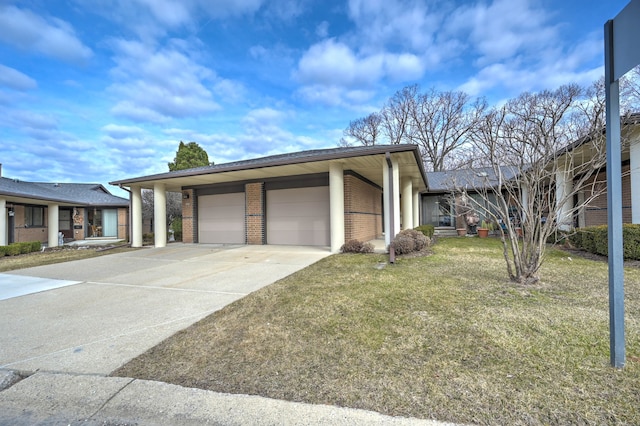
(442, 199)
(36, 211)
(319, 198)
(439, 206)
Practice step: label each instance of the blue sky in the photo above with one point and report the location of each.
(100, 90)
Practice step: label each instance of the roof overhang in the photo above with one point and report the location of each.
(367, 162)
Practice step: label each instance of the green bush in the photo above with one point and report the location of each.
(3, 251)
(25, 248)
(631, 241)
(36, 246)
(427, 230)
(13, 249)
(595, 239)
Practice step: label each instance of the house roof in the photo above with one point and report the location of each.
(473, 178)
(365, 160)
(76, 194)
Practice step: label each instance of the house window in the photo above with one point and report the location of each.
(102, 222)
(437, 211)
(34, 216)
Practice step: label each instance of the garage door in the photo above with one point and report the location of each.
(221, 218)
(298, 216)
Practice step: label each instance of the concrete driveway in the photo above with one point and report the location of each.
(110, 309)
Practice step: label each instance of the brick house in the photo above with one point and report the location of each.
(37, 211)
(439, 209)
(319, 197)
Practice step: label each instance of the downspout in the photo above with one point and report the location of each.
(130, 212)
(392, 251)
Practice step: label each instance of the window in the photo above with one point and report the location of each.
(34, 216)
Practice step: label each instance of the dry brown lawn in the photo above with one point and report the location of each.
(445, 337)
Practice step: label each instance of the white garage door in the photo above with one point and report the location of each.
(221, 218)
(298, 216)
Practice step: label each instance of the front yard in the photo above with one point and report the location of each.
(445, 337)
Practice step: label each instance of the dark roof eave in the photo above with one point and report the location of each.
(375, 150)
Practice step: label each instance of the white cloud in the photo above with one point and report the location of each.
(16, 80)
(49, 36)
(503, 28)
(322, 29)
(157, 84)
(334, 63)
(117, 131)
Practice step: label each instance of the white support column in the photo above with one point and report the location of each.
(3, 222)
(407, 203)
(160, 215)
(396, 196)
(524, 202)
(136, 216)
(564, 202)
(386, 209)
(634, 152)
(52, 224)
(416, 207)
(336, 203)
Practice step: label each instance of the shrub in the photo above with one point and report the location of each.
(147, 238)
(25, 248)
(3, 251)
(427, 230)
(356, 246)
(13, 249)
(36, 246)
(403, 244)
(595, 239)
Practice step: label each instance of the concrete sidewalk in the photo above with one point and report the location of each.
(66, 399)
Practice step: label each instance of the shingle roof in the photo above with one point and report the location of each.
(85, 194)
(283, 159)
(476, 178)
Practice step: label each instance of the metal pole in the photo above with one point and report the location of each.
(614, 205)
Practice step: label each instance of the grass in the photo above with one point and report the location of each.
(57, 255)
(445, 337)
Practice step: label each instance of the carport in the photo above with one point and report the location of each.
(311, 198)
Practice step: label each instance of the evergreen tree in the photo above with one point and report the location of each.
(188, 156)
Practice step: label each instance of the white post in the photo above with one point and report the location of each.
(407, 203)
(386, 209)
(160, 215)
(336, 203)
(416, 207)
(3, 222)
(634, 152)
(52, 224)
(136, 216)
(524, 203)
(396, 196)
(564, 201)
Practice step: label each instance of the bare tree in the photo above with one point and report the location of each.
(541, 160)
(441, 124)
(365, 131)
(174, 205)
(396, 115)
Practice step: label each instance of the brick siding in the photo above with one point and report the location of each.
(595, 213)
(362, 209)
(188, 217)
(254, 213)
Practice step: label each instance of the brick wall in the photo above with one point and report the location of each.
(595, 212)
(362, 209)
(123, 223)
(254, 213)
(188, 217)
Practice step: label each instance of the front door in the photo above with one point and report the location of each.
(65, 223)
